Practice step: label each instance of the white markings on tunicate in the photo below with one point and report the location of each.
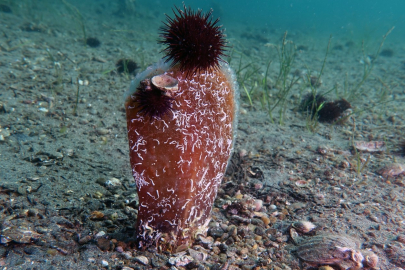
(185, 143)
(143, 205)
(192, 215)
(184, 206)
(178, 145)
(195, 131)
(140, 141)
(224, 117)
(172, 223)
(157, 195)
(139, 179)
(164, 122)
(192, 188)
(205, 170)
(197, 143)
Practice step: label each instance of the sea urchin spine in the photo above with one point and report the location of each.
(181, 118)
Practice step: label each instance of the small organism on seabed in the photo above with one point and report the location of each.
(340, 250)
(125, 65)
(326, 111)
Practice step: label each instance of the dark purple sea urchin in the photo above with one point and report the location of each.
(152, 101)
(193, 40)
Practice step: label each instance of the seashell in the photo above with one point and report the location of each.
(370, 259)
(181, 260)
(113, 183)
(301, 183)
(391, 170)
(198, 255)
(338, 250)
(322, 249)
(142, 259)
(19, 231)
(165, 83)
(303, 226)
(373, 146)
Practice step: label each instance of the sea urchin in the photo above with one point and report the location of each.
(193, 40)
(152, 101)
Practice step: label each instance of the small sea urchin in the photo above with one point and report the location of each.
(193, 40)
(326, 111)
(152, 101)
(93, 42)
(126, 65)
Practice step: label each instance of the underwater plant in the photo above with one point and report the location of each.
(181, 119)
(283, 83)
(76, 15)
(352, 92)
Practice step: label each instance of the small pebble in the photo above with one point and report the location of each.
(142, 259)
(104, 263)
(216, 232)
(104, 244)
(326, 267)
(69, 152)
(265, 220)
(84, 240)
(100, 234)
(102, 131)
(207, 242)
(401, 238)
(42, 109)
(127, 255)
(84, 121)
(32, 212)
(112, 183)
(374, 218)
(243, 153)
(258, 204)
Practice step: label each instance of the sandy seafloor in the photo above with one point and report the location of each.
(54, 164)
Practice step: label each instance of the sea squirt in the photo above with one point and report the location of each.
(181, 119)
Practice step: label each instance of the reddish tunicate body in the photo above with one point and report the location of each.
(178, 160)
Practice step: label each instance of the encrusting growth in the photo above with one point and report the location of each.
(181, 118)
